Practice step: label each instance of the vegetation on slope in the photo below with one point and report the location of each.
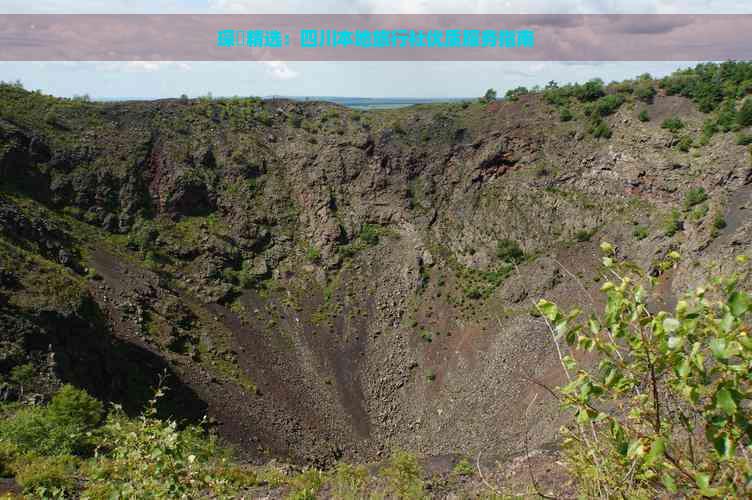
(665, 410)
(191, 234)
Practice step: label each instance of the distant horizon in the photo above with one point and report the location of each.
(284, 96)
(352, 102)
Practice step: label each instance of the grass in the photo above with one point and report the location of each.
(640, 233)
(694, 196)
(673, 224)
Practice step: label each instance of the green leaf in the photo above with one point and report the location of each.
(636, 449)
(683, 368)
(549, 310)
(657, 449)
(738, 303)
(595, 326)
(607, 248)
(675, 343)
(724, 401)
(671, 324)
(702, 480)
(669, 483)
(569, 362)
(640, 295)
(724, 446)
(719, 348)
(728, 322)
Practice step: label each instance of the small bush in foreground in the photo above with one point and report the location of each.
(404, 474)
(665, 412)
(47, 477)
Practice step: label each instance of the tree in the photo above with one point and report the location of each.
(490, 95)
(644, 90)
(591, 91)
(663, 411)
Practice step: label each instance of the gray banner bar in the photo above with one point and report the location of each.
(378, 37)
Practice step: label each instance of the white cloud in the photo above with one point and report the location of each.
(152, 66)
(279, 70)
(537, 67)
(114, 66)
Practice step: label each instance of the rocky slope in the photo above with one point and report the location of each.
(328, 283)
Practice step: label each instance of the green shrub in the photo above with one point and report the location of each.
(52, 118)
(695, 196)
(307, 484)
(47, 477)
(727, 116)
(61, 428)
(709, 128)
(509, 251)
(599, 129)
(71, 406)
(33, 430)
(744, 116)
(565, 115)
(370, 234)
(514, 94)
(699, 212)
(590, 91)
(22, 375)
(643, 116)
(8, 454)
(464, 468)
(673, 124)
(684, 144)
(404, 474)
(673, 224)
(609, 104)
(264, 118)
(296, 121)
(743, 139)
(640, 233)
(644, 90)
(349, 481)
(143, 236)
(665, 404)
(584, 235)
(313, 254)
(719, 222)
(151, 458)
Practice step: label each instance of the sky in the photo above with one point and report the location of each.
(327, 78)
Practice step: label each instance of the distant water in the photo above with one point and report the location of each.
(378, 102)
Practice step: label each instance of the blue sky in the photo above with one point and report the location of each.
(363, 79)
